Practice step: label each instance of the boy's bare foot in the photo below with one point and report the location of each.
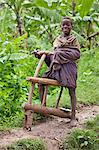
(73, 123)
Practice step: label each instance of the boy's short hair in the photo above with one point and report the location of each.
(67, 18)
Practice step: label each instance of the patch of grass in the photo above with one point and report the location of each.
(4, 129)
(93, 125)
(86, 139)
(88, 77)
(11, 122)
(64, 101)
(81, 140)
(26, 144)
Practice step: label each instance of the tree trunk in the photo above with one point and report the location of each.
(73, 7)
(19, 23)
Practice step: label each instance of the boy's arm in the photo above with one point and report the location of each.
(38, 54)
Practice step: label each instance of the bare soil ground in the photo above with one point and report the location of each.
(52, 130)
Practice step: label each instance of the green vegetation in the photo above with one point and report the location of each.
(26, 144)
(28, 25)
(84, 139)
(88, 80)
(93, 124)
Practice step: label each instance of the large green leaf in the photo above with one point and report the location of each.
(13, 56)
(18, 56)
(79, 37)
(20, 38)
(28, 4)
(50, 2)
(41, 3)
(51, 14)
(84, 6)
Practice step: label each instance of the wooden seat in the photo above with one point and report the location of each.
(45, 81)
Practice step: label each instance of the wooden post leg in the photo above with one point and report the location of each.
(44, 96)
(31, 93)
(28, 113)
(28, 120)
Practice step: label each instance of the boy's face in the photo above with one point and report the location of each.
(66, 26)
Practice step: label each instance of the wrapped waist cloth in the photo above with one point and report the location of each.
(62, 66)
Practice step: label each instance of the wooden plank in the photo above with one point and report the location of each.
(48, 111)
(39, 65)
(44, 81)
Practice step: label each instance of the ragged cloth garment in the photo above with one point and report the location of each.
(62, 63)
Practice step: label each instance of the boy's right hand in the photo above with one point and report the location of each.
(38, 54)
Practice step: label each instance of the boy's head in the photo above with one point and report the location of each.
(66, 25)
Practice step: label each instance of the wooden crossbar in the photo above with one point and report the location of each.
(48, 111)
(43, 81)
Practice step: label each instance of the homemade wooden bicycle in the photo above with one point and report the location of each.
(29, 108)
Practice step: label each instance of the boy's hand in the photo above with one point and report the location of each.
(38, 54)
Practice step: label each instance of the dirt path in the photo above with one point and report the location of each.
(52, 131)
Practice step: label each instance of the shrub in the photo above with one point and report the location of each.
(93, 124)
(27, 144)
(81, 140)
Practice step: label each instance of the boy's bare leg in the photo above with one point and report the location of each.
(72, 93)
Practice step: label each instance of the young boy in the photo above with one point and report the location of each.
(61, 63)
